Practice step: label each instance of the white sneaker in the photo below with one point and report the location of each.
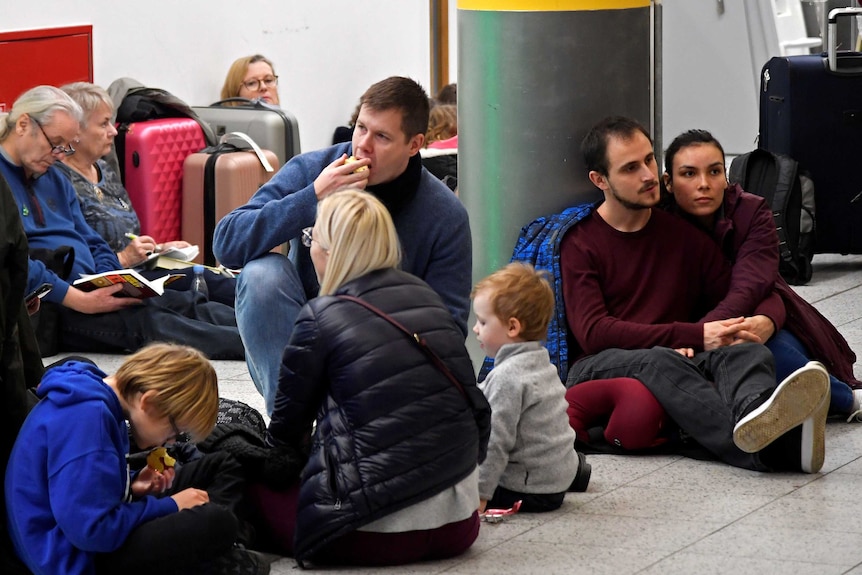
(813, 445)
(802, 396)
(856, 410)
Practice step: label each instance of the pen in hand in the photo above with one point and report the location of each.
(132, 236)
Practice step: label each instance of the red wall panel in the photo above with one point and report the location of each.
(52, 56)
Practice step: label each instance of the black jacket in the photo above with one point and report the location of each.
(20, 361)
(392, 430)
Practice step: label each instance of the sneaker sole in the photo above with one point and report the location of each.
(793, 401)
(813, 450)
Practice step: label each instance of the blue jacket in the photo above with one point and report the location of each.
(67, 484)
(392, 430)
(433, 228)
(64, 226)
(539, 245)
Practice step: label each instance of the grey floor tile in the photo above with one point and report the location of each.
(834, 547)
(704, 476)
(663, 535)
(686, 563)
(808, 513)
(676, 504)
(546, 558)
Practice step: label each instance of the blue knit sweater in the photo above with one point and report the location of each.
(433, 228)
(63, 225)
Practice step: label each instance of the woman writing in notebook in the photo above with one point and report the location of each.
(376, 490)
(105, 202)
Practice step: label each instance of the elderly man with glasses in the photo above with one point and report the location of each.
(41, 127)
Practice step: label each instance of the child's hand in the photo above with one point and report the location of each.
(151, 482)
(191, 497)
(482, 504)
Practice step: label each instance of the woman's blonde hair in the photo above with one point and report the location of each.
(442, 123)
(236, 74)
(355, 228)
(184, 382)
(89, 97)
(40, 104)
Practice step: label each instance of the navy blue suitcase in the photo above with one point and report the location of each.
(811, 110)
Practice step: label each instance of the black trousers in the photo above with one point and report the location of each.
(705, 395)
(530, 502)
(191, 536)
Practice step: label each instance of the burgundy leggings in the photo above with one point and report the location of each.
(630, 414)
(278, 511)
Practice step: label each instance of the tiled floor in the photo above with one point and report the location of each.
(671, 515)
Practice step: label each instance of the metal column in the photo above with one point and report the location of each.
(533, 77)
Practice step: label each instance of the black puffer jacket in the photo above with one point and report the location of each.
(392, 430)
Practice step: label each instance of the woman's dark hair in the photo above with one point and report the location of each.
(684, 140)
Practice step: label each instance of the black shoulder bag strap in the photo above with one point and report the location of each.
(415, 338)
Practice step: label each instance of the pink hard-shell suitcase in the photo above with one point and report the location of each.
(153, 153)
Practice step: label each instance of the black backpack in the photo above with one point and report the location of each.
(789, 191)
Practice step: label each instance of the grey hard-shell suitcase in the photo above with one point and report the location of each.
(271, 127)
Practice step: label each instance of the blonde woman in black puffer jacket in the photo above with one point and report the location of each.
(392, 473)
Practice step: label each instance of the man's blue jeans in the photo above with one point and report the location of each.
(790, 355)
(269, 295)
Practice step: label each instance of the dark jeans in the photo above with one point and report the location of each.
(790, 355)
(191, 536)
(705, 395)
(175, 316)
(221, 288)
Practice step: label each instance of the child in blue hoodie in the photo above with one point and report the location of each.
(73, 506)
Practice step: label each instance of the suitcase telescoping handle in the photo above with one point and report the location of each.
(255, 103)
(832, 34)
(245, 137)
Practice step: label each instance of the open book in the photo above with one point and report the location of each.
(181, 254)
(134, 284)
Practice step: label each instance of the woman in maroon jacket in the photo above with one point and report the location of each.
(742, 224)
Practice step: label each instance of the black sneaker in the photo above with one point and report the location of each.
(237, 561)
(582, 478)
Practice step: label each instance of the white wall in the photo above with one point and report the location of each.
(327, 52)
(709, 79)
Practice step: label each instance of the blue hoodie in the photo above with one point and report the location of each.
(67, 484)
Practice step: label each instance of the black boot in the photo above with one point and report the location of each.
(582, 478)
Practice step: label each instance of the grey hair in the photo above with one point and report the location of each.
(40, 104)
(89, 97)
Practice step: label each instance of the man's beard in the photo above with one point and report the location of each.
(630, 205)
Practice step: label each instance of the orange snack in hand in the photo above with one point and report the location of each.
(159, 459)
(352, 159)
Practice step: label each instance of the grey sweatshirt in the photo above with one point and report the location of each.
(532, 446)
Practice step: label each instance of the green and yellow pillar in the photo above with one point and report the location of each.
(533, 77)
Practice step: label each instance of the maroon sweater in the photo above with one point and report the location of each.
(640, 289)
(746, 233)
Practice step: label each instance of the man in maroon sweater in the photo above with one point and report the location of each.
(637, 283)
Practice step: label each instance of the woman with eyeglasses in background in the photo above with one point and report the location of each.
(251, 77)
